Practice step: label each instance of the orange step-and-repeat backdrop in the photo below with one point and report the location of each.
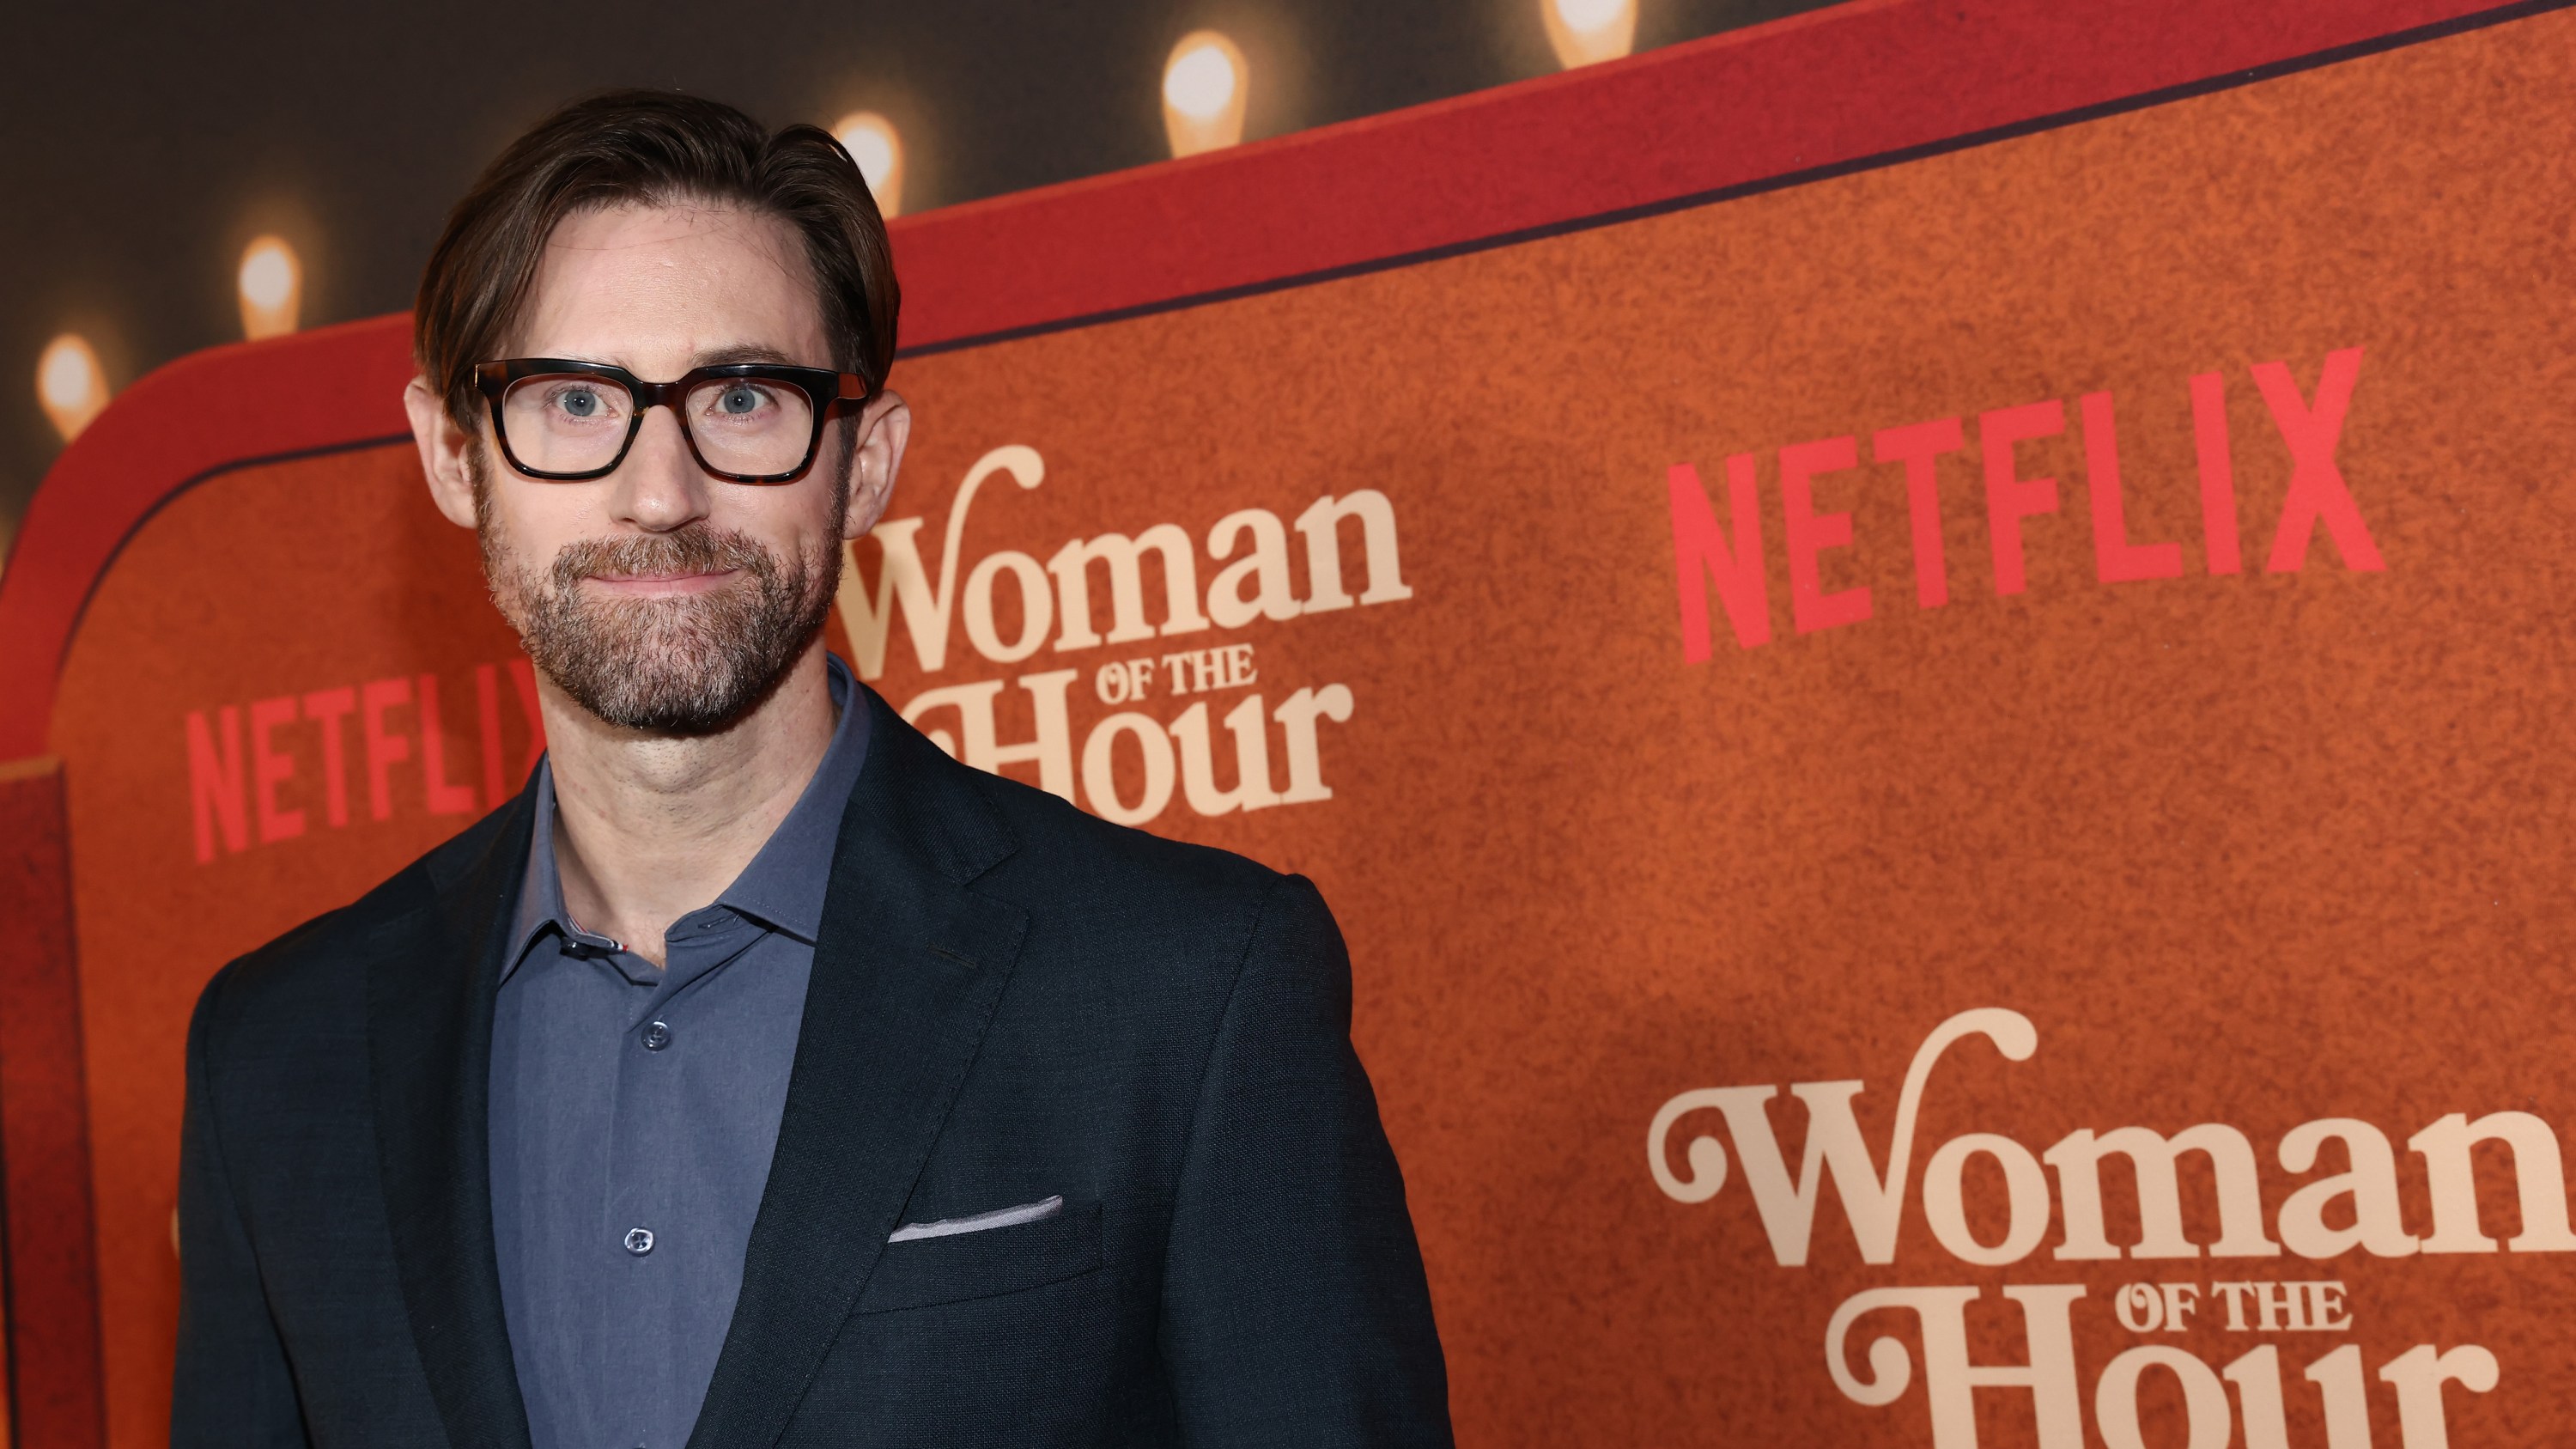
(1941, 751)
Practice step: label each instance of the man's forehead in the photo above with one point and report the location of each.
(700, 278)
(628, 225)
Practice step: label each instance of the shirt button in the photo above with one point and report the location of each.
(639, 1241)
(657, 1036)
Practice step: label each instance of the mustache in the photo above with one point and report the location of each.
(690, 550)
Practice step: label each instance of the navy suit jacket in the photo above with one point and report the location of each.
(1011, 1000)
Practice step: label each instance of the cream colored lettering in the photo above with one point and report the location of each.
(1099, 768)
(1298, 715)
(1051, 751)
(2153, 1159)
(2371, 1185)
(1182, 753)
(1197, 671)
(1258, 585)
(2358, 1207)
(2419, 1374)
(2025, 1191)
(1036, 606)
(1950, 1381)
(902, 582)
(1071, 566)
(2326, 1310)
(1251, 733)
(2346, 1397)
(1266, 566)
(1872, 1204)
(2540, 1182)
(2181, 1299)
(2340, 1388)
(1321, 524)
(2139, 1307)
(1121, 680)
(2208, 1423)
(2156, 1307)
(2257, 1377)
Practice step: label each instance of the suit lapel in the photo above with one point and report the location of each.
(907, 970)
(429, 1039)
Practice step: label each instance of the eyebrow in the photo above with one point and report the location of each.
(745, 352)
(726, 356)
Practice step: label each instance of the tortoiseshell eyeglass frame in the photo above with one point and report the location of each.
(827, 390)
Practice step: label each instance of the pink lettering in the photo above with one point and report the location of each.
(2217, 473)
(330, 708)
(1917, 445)
(2009, 497)
(215, 784)
(1810, 533)
(269, 769)
(2115, 559)
(2317, 489)
(384, 749)
(1700, 553)
(444, 798)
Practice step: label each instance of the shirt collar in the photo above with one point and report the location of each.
(784, 885)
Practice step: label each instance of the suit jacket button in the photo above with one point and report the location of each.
(657, 1036)
(639, 1241)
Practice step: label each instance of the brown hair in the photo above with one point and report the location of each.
(649, 148)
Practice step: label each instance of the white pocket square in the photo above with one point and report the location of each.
(1009, 1217)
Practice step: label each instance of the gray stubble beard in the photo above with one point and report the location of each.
(685, 665)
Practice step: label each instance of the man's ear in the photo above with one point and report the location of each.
(884, 428)
(444, 452)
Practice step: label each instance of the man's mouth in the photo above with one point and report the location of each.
(648, 585)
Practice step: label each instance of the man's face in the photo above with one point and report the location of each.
(660, 598)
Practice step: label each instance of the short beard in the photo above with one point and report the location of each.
(678, 665)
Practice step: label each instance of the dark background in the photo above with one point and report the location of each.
(150, 143)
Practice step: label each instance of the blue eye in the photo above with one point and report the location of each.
(581, 403)
(739, 399)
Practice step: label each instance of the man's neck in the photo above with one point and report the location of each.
(649, 828)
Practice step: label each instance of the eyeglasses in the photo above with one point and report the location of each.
(746, 422)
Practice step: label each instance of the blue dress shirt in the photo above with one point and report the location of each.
(633, 1114)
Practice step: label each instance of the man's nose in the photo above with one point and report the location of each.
(660, 486)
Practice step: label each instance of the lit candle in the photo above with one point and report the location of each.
(272, 288)
(70, 384)
(1203, 87)
(1584, 31)
(871, 141)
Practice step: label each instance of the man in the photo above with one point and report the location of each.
(761, 1076)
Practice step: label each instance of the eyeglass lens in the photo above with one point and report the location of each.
(575, 422)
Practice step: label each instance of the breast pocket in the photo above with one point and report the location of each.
(987, 1263)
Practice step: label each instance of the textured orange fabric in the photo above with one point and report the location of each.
(2255, 828)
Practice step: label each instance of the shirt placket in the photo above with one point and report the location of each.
(623, 1403)
(650, 1213)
